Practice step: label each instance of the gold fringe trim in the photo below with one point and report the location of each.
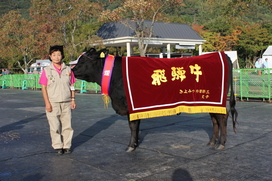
(106, 100)
(176, 110)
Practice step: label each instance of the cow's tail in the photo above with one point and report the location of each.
(232, 103)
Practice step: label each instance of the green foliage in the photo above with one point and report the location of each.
(18, 5)
(216, 21)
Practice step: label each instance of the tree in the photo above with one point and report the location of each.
(73, 23)
(225, 43)
(77, 31)
(47, 24)
(252, 41)
(66, 22)
(133, 14)
(222, 16)
(18, 5)
(17, 40)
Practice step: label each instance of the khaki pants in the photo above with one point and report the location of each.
(59, 120)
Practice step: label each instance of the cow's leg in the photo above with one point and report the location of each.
(215, 133)
(134, 138)
(222, 119)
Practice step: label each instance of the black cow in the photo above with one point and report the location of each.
(90, 66)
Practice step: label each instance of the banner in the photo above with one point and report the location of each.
(161, 87)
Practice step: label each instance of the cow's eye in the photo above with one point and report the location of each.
(83, 60)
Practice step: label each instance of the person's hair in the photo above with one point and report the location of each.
(55, 48)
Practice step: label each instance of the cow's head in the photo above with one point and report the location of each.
(89, 65)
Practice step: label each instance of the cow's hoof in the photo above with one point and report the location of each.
(211, 144)
(130, 149)
(220, 147)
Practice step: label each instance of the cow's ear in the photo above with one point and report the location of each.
(92, 50)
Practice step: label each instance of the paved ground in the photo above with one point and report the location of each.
(172, 148)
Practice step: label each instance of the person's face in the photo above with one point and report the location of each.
(56, 57)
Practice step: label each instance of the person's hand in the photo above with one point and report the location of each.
(48, 108)
(73, 104)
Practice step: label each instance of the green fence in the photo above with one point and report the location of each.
(19, 81)
(248, 83)
(252, 83)
(30, 81)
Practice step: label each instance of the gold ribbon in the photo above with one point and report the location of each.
(106, 100)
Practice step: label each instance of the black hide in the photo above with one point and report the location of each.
(90, 67)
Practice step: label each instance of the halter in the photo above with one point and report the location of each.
(106, 74)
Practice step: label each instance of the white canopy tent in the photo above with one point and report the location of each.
(268, 54)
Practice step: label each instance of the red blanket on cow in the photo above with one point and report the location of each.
(162, 87)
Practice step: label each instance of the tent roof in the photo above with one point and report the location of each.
(117, 34)
(268, 51)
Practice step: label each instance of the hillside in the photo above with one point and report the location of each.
(20, 5)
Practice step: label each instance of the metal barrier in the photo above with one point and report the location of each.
(248, 83)
(252, 83)
(30, 81)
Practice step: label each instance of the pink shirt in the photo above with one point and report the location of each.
(43, 79)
